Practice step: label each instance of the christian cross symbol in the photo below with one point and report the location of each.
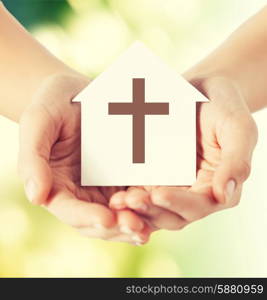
(138, 109)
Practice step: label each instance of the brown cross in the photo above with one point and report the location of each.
(138, 109)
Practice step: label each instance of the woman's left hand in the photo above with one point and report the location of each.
(226, 137)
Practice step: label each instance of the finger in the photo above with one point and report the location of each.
(129, 222)
(117, 200)
(190, 206)
(116, 234)
(138, 239)
(138, 200)
(237, 141)
(78, 213)
(108, 191)
(36, 138)
(98, 233)
(111, 234)
(123, 238)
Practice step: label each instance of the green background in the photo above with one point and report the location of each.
(88, 35)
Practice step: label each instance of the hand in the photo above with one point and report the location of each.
(226, 135)
(49, 163)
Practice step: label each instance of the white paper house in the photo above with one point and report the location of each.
(151, 138)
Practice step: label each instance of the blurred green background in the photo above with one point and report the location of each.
(89, 35)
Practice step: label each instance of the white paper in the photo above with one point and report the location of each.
(170, 140)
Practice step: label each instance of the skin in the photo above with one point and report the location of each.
(25, 64)
(226, 135)
(233, 77)
(49, 159)
(49, 163)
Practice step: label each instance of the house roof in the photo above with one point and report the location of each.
(139, 62)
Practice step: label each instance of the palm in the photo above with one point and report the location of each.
(215, 122)
(50, 160)
(208, 158)
(65, 160)
(65, 164)
(222, 152)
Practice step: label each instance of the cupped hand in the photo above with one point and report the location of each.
(226, 137)
(49, 164)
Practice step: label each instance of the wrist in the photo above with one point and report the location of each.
(210, 81)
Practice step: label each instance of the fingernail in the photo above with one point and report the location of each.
(31, 190)
(137, 240)
(126, 229)
(230, 189)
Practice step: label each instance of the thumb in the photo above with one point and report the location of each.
(237, 140)
(36, 132)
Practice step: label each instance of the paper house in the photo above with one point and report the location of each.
(138, 124)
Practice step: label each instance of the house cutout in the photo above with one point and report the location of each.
(138, 124)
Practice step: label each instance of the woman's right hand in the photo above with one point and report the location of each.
(49, 164)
